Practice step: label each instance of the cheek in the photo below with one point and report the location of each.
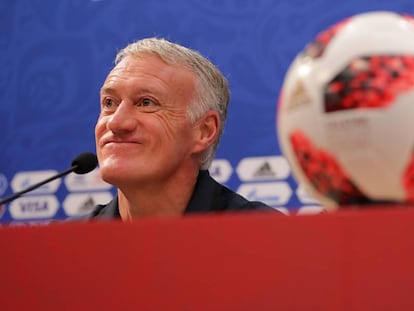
(100, 127)
(174, 127)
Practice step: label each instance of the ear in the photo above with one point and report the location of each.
(206, 130)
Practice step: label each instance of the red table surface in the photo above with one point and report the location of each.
(348, 260)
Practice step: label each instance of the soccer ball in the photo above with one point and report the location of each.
(345, 119)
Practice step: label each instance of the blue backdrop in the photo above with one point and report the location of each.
(56, 54)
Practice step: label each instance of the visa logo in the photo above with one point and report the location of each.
(34, 207)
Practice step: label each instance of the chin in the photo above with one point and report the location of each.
(117, 173)
(108, 175)
(115, 177)
(112, 169)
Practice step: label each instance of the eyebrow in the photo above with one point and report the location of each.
(107, 90)
(110, 90)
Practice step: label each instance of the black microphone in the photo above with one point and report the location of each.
(82, 164)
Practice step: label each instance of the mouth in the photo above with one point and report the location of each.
(114, 142)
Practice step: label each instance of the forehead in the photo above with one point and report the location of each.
(151, 70)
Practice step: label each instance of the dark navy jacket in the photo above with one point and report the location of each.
(208, 196)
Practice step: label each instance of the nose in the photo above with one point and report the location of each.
(122, 120)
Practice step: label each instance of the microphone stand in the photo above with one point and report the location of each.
(32, 187)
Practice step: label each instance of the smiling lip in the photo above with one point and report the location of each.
(120, 142)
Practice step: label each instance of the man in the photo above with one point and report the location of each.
(163, 109)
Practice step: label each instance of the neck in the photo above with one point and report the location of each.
(167, 199)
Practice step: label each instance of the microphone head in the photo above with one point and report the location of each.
(84, 163)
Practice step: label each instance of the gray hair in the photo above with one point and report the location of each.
(211, 90)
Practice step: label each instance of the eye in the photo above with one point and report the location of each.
(108, 104)
(146, 102)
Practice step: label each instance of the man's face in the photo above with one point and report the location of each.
(143, 133)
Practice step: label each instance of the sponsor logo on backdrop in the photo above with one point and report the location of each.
(87, 182)
(39, 206)
(271, 193)
(263, 168)
(3, 184)
(80, 204)
(23, 180)
(221, 170)
(304, 196)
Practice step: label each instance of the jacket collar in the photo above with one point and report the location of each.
(202, 199)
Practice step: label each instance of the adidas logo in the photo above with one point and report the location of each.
(299, 97)
(263, 168)
(265, 171)
(88, 205)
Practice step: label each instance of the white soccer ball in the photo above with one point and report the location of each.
(345, 119)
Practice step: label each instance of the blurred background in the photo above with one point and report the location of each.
(55, 56)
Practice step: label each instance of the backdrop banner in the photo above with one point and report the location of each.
(55, 56)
